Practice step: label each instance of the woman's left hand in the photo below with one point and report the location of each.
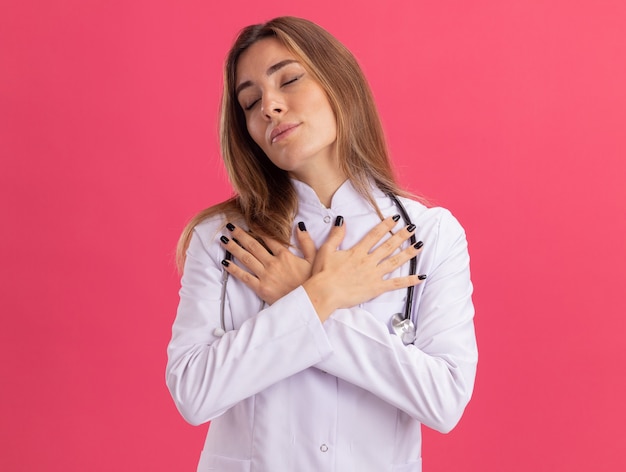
(272, 270)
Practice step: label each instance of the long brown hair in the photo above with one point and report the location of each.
(264, 196)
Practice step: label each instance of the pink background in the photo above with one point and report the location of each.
(510, 113)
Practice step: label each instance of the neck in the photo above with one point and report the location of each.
(324, 180)
(326, 189)
(324, 184)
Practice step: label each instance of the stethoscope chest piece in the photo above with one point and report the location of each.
(405, 328)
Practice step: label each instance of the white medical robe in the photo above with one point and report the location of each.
(285, 392)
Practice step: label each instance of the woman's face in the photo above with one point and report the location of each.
(287, 112)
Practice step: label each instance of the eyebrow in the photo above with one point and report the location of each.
(272, 69)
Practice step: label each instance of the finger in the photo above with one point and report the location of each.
(397, 283)
(246, 277)
(249, 243)
(273, 246)
(245, 258)
(331, 245)
(393, 243)
(336, 235)
(305, 243)
(376, 234)
(393, 262)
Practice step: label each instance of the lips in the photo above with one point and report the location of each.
(282, 131)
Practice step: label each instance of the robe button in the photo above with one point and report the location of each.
(327, 219)
(323, 448)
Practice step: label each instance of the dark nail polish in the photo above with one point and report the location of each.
(422, 277)
(395, 217)
(301, 226)
(339, 221)
(224, 239)
(230, 226)
(410, 228)
(418, 244)
(225, 263)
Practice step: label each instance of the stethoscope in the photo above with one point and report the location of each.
(400, 324)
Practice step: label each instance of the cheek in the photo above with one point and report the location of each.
(255, 131)
(330, 123)
(327, 117)
(332, 120)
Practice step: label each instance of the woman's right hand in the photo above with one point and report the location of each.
(345, 278)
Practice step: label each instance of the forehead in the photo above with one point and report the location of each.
(259, 57)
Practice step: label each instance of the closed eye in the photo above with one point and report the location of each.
(291, 81)
(251, 105)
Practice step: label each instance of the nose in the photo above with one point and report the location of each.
(272, 105)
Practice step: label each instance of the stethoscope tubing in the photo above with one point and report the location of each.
(410, 291)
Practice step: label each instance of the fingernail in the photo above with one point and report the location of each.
(395, 217)
(339, 221)
(422, 277)
(418, 244)
(410, 228)
(301, 226)
(225, 263)
(224, 239)
(230, 226)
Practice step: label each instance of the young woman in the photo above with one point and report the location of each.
(324, 315)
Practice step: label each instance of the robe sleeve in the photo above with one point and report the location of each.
(432, 379)
(207, 374)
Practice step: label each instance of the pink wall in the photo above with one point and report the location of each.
(512, 114)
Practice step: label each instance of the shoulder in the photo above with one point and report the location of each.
(431, 217)
(209, 219)
(437, 227)
(209, 223)
(206, 234)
